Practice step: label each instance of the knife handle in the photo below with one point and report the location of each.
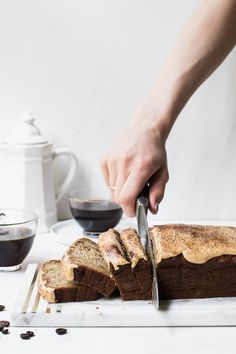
(143, 198)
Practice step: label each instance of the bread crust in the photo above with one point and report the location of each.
(45, 291)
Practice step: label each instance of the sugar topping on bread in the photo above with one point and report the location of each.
(133, 246)
(115, 254)
(111, 249)
(197, 243)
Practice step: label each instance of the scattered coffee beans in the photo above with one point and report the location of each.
(4, 323)
(24, 336)
(2, 307)
(5, 331)
(61, 331)
(30, 333)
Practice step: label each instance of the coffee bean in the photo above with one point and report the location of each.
(2, 307)
(5, 323)
(61, 331)
(5, 331)
(30, 333)
(24, 336)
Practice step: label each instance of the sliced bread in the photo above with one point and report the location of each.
(83, 263)
(140, 264)
(53, 286)
(114, 254)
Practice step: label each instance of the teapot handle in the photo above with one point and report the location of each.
(61, 190)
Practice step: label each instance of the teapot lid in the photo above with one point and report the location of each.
(25, 132)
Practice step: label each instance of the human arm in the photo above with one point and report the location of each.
(139, 155)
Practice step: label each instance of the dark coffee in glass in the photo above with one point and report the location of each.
(94, 215)
(17, 233)
(15, 244)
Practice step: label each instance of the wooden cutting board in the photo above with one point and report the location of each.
(31, 310)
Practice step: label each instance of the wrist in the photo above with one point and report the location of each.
(160, 108)
(150, 118)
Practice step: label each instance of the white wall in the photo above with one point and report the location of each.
(82, 66)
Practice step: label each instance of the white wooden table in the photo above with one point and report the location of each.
(103, 340)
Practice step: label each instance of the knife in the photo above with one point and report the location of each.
(141, 215)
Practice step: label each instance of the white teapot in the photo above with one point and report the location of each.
(26, 178)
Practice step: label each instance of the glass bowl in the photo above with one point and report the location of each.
(17, 232)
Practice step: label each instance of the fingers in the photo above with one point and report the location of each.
(115, 172)
(123, 171)
(128, 184)
(131, 189)
(157, 188)
(112, 177)
(108, 167)
(121, 178)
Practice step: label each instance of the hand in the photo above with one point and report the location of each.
(136, 158)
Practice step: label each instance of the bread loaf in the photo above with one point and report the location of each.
(195, 261)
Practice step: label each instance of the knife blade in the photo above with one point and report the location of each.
(141, 215)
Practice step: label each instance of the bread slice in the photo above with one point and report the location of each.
(83, 263)
(140, 264)
(114, 254)
(53, 286)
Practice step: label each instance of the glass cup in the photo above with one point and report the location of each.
(17, 232)
(94, 211)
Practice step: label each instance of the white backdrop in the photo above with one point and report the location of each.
(82, 66)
